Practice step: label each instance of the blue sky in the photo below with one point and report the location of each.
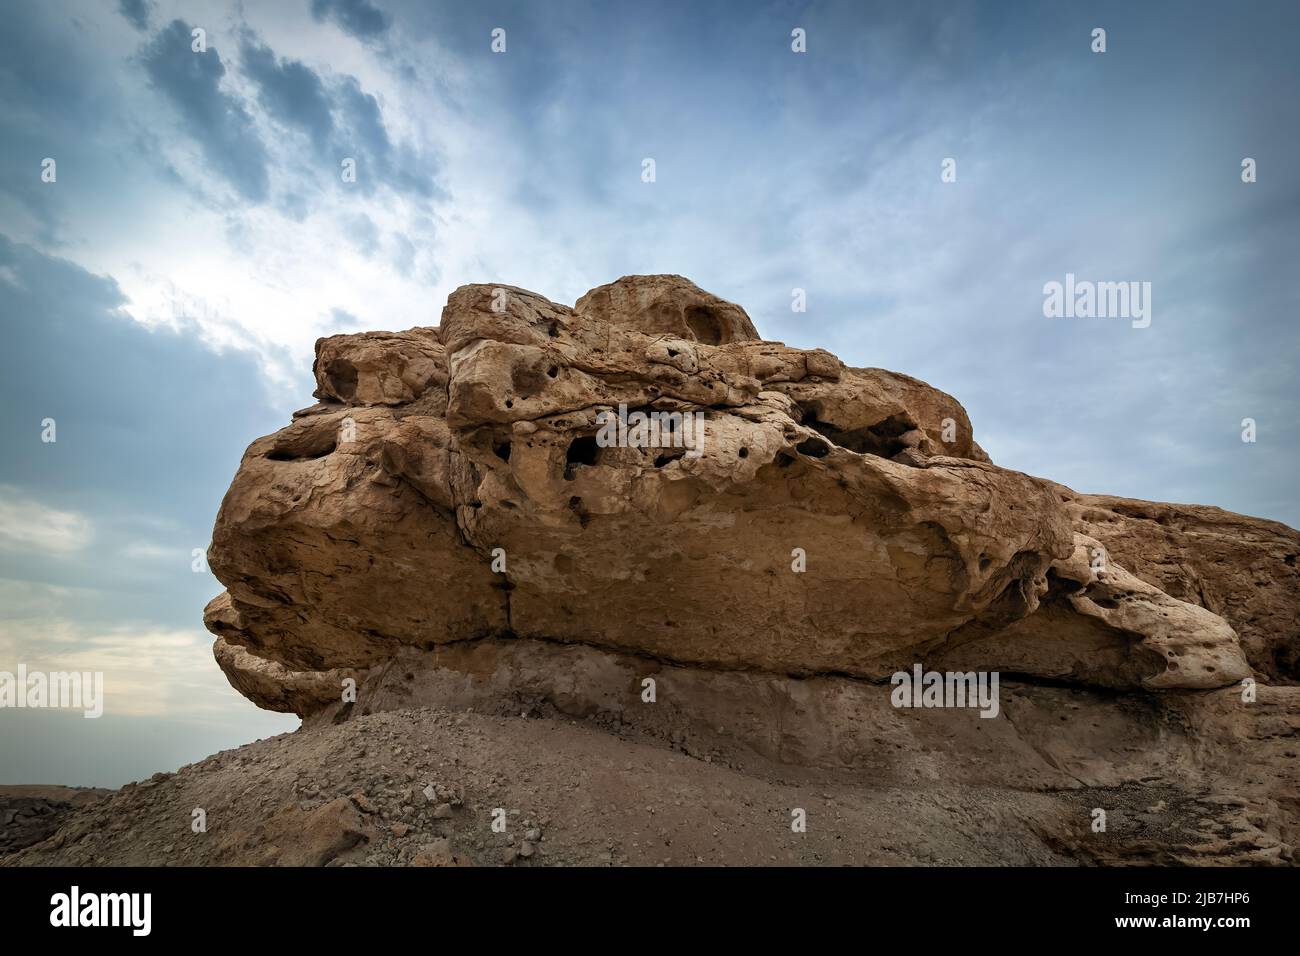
(160, 299)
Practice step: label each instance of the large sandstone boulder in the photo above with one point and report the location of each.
(451, 487)
(448, 544)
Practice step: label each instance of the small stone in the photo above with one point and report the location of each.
(509, 855)
(437, 853)
(442, 811)
(363, 802)
(526, 850)
(400, 830)
(533, 836)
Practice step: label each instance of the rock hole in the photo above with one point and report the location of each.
(502, 451)
(342, 376)
(552, 372)
(292, 453)
(813, 448)
(704, 324)
(669, 456)
(744, 453)
(881, 439)
(583, 450)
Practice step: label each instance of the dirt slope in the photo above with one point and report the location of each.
(354, 794)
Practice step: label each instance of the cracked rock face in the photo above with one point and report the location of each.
(454, 484)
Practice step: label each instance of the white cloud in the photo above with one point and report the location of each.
(148, 670)
(26, 525)
(149, 551)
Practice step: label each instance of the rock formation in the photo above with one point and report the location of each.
(447, 526)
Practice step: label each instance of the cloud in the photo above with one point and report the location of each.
(26, 525)
(365, 137)
(148, 671)
(151, 551)
(357, 17)
(216, 120)
(150, 423)
(214, 239)
(136, 12)
(289, 90)
(53, 100)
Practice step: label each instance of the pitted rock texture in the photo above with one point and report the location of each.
(446, 531)
(449, 487)
(1242, 569)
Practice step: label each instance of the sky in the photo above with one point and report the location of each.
(160, 297)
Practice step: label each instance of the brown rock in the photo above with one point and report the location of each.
(371, 524)
(297, 837)
(837, 525)
(1241, 569)
(362, 803)
(438, 853)
(666, 304)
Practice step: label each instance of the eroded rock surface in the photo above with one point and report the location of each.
(372, 522)
(445, 528)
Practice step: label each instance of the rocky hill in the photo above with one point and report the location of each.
(650, 581)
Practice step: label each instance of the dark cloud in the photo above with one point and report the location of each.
(136, 12)
(217, 121)
(150, 424)
(341, 119)
(365, 138)
(357, 17)
(289, 90)
(54, 101)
